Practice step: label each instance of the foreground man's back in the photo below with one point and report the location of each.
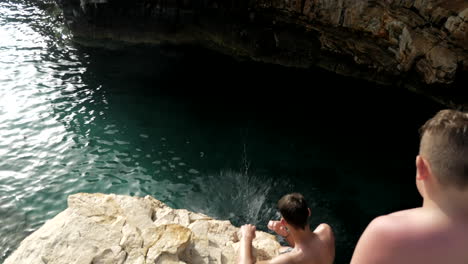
(437, 232)
(414, 236)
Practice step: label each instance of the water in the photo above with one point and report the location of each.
(194, 129)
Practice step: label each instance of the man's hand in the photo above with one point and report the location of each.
(279, 228)
(245, 254)
(248, 232)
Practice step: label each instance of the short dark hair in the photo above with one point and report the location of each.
(294, 210)
(444, 143)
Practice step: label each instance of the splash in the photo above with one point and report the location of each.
(239, 197)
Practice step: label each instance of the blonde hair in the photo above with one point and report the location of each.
(444, 143)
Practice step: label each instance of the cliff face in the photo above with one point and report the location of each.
(115, 229)
(372, 39)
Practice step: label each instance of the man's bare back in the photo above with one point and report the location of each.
(307, 247)
(414, 236)
(320, 249)
(437, 232)
(317, 247)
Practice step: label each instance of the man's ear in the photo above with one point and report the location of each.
(308, 209)
(423, 170)
(283, 222)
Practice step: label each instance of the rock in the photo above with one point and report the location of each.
(438, 64)
(458, 27)
(387, 39)
(105, 229)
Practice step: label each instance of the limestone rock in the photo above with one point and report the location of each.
(116, 229)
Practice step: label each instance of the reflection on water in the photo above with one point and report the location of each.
(185, 126)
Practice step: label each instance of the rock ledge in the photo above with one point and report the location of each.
(100, 228)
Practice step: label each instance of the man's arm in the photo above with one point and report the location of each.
(245, 254)
(380, 243)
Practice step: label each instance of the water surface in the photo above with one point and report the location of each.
(194, 129)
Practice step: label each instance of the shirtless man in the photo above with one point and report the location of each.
(437, 232)
(307, 247)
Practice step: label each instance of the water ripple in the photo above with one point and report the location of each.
(75, 119)
(58, 135)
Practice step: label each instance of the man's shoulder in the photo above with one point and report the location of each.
(391, 221)
(411, 236)
(327, 241)
(408, 213)
(408, 224)
(390, 227)
(324, 230)
(396, 227)
(385, 239)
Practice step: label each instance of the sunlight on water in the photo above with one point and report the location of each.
(61, 134)
(35, 139)
(77, 119)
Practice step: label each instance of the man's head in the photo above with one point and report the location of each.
(294, 210)
(444, 145)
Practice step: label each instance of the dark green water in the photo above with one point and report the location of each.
(194, 129)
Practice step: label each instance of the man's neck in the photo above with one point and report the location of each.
(301, 236)
(452, 204)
